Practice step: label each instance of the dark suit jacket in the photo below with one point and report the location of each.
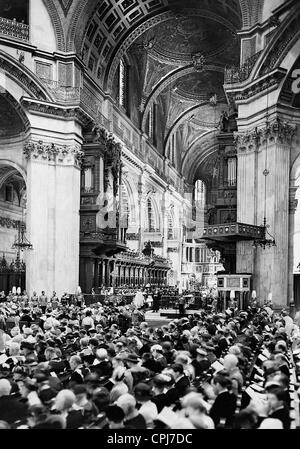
(223, 407)
(283, 415)
(177, 391)
(11, 409)
(159, 401)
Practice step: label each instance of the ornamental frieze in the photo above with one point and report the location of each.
(69, 113)
(237, 93)
(6, 222)
(274, 130)
(53, 152)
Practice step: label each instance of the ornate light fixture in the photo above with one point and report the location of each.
(21, 243)
(268, 240)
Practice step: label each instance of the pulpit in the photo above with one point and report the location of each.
(239, 283)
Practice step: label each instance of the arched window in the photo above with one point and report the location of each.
(125, 209)
(172, 155)
(170, 227)
(123, 84)
(151, 224)
(231, 171)
(200, 192)
(152, 123)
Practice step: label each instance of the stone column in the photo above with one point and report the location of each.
(53, 196)
(141, 209)
(164, 218)
(293, 202)
(246, 196)
(103, 272)
(272, 166)
(96, 273)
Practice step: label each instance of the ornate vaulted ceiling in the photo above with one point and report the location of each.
(181, 36)
(178, 48)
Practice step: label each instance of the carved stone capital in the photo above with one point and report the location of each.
(276, 130)
(53, 152)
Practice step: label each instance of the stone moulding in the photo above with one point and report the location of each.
(238, 92)
(53, 152)
(28, 82)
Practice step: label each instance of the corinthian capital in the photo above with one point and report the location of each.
(53, 152)
(247, 140)
(279, 130)
(276, 129)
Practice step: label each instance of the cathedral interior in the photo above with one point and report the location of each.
(150, 142)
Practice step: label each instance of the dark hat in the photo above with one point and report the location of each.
(27, 345)
(143, 391)
(132, 358)
(46, 395)
(145, 338)
(114, 413)
(88, 358)
(40, 377)
(92, 377)
(79, 389)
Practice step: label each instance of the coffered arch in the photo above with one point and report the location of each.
(55, 14)
(132, 35)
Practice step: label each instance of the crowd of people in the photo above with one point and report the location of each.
(66, 366)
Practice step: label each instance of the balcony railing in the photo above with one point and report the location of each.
(62, 93)
(14, 29)
(232, 231)
(92, 106)
(235, 74)
(79, 96)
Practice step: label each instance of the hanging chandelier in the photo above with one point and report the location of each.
(21, 243)
(267, 240)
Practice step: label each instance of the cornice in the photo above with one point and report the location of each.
(244, 92)
(54, 110)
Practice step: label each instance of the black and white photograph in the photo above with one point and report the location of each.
(149, 219)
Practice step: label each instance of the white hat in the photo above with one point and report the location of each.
(101, 353)
(156, 348)
(271, 423)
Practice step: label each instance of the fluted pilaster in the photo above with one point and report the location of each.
(266, 148)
